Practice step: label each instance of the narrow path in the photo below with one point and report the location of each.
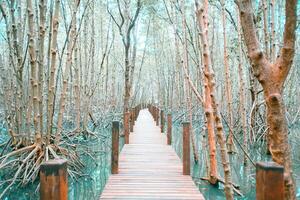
(148, 168)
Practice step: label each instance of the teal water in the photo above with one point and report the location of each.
(243, 176)
(97, 170)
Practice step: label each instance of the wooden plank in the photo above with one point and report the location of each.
(149, 168)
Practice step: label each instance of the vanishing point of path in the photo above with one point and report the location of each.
(149, 168)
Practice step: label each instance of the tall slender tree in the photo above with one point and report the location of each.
(202, 17)
(125, 27)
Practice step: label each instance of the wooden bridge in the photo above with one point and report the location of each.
(148, 168)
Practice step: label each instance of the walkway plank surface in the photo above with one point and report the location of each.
(148, 168)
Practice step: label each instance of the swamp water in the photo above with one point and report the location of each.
(97, 171)
(243, 176)
(87, 187)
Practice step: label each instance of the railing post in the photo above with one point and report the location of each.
(269, 181)
(134, 116)
(150, 109)
(115, 147)
(153, 112)
(54, 180)
(169, 130)
(136, 112)
(157, 116)
(131, 120)
(162, 121)
(126, 126)
(186, 148)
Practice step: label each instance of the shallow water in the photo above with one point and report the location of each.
(98, 170)
(243, 176)
(88, 187)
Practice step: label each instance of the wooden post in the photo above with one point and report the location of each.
(54, 180)
(269, 181)
(150, 110)
(186, 148)
(115, 148)
(138, 108)
(135, 113)
(157, 116)
(131, 120)
(162, 121)
(169, 131)
(153, 112)
(126, 126)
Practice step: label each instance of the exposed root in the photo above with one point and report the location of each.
(24, 163)
(220, 180)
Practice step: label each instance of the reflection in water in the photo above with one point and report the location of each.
(97, 171)
(243, 176)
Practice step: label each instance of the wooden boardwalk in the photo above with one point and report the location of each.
(148, 168)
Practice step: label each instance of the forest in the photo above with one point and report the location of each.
(68, 68)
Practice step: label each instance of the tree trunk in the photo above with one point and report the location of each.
(230, 144)
(242, 92)
(127, 82)
(266, 31)
(41, 40)
(67, 70)
(77, 91)
(272, 77)
(51, 86)
(273, 32)
(34, 72)
(186, 82)
(202, 17)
